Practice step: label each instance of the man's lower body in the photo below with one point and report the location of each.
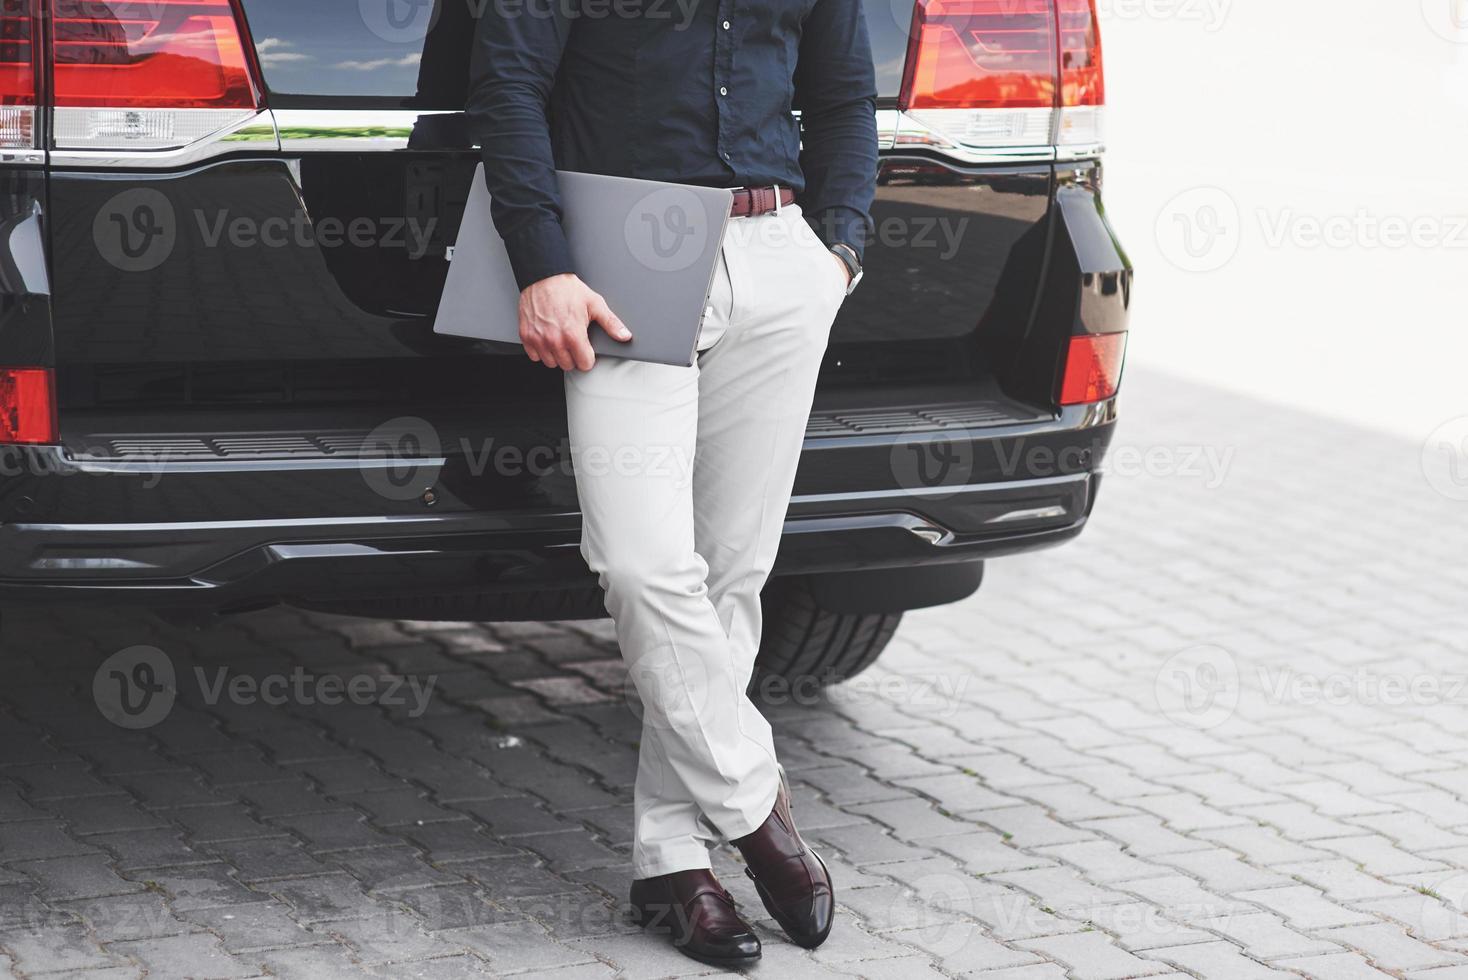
(684, 477)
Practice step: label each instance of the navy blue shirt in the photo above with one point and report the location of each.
(688, 91)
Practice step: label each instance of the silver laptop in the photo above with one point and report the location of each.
(649, 247)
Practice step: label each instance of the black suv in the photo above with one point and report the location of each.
(227, 225)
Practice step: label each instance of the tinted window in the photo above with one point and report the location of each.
(413, 50)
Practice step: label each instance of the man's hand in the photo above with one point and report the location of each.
(555, 314)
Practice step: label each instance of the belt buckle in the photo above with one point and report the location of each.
(776, 189)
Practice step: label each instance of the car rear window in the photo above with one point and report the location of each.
(411, 52)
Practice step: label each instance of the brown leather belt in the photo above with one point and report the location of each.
(751, 202)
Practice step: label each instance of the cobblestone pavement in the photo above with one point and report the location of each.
(1221, 735)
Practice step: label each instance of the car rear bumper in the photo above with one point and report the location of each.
(236, 532)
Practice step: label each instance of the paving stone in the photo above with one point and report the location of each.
(100, 815)
(323, 962)
(389, 808)
(461, 840)
(1033, 817)
(66, 878)
(1304, 908)
(220, 822)
(1062, 889)
(1265, 936)
(40, 839)
(138, 850)
(243, 928)
(395, 936)
(193, 955)
(333, 831)
(1092, 956)
(201, 887)
(1217, 959)
(144, 915)
(1388, 947)
(516, 946)
(60, 948)
(1145, 836)
(328, 898)
(1337, 966)
(266, 858)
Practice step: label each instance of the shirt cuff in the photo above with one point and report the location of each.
(842, 226)
(538, 251)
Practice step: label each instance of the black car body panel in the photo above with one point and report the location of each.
(254, 407)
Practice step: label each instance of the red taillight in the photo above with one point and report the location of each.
(27, 406)
(1081, 79)
(173, 54)
(17, 53)
(19, 68)
(972, 54)
(1092, 368)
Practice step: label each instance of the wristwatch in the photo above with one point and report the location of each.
(848, 256)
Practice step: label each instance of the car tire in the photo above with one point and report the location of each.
(807, 646)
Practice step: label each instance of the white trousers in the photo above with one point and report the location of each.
(684, 475)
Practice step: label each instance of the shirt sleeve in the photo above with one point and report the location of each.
(836, 93)
(517, 52)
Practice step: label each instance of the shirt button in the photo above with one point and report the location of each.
(726, 155)
(726, 25)
(723, 90)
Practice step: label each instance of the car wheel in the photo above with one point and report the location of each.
(807, 645)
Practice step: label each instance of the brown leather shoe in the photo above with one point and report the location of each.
(791, 879)
(694, 910)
